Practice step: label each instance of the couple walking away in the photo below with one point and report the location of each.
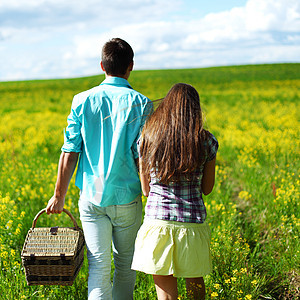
(121, 146)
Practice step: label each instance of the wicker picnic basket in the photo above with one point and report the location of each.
(53, 255)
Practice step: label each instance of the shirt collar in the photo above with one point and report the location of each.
(117, 81)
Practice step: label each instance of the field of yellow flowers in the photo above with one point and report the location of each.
(254, 208)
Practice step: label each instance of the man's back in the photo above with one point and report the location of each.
(107, 121)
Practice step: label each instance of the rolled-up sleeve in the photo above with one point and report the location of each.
(72, 134)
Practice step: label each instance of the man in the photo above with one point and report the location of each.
(103, 127)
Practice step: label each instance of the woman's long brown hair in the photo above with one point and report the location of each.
(172, 139)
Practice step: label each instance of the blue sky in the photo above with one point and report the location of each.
(57, 39)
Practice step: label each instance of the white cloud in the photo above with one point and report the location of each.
(274, 55)
(64, 38)
(226, 30)
(281, 15)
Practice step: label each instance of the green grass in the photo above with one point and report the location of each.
(254, 208)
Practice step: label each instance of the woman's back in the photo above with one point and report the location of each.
(180, 200)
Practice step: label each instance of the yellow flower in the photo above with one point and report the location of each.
(254, 282)
(227, 280)
(233, 279)
(217, 286)
(8, 224)
(248, 297)
(18, 231)
(214, 294)
(4, 254)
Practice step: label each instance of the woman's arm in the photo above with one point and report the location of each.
(144, 180)
(145, 184)
(208, 179)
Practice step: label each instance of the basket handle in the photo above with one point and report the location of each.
(64, 210)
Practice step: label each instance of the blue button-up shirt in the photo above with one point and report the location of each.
(104, 125)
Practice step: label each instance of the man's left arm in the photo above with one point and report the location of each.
(66, 167)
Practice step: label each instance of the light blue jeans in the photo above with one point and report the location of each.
(102, 226)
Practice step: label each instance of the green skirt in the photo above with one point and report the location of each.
(173, 248)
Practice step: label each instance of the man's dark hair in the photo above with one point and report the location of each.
(116, 57)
